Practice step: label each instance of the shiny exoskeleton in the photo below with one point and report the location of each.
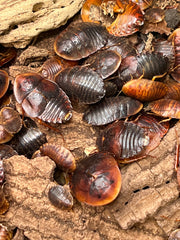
(111, 109)
(81, 83)
(60, 197)
(173, 91)
(63, 158)
(97, 180)
(80, 40)
(5, 234)
(41, 98)
(4, 82)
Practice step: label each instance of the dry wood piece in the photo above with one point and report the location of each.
(23, 20)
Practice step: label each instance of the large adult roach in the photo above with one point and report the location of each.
(111, 109)
(79, 41)
(82, 83)
(96, 180)
(104, 62)
(63, 158)
(4, 82)
(175, 39)
(166, 108)
(144, 89)
(125, 140)
(41, 98)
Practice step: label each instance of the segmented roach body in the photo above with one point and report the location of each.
(28, 140)
(97, 179)
(5, 234)
(104, 62)
(60, 155)
(166, 108)
(81, 83)
(1, 172)
(128, 22)
(7, 54)
(148, 65)
(4, 204)
(144, 89)
(60, 197)
(41, 98)
(125, 140)
(111, 109)
(53, 65)
(4, 82)
(79, 41)
(173, 91)
(175, 39)
(6, 151)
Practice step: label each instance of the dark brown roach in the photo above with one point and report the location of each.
(97, 180)
(4, 204)
(63, 158)
(1, 172)
(41, 98)
(154, 15)
(165, 108)
(28, 140)
(125, 140)
(144, 89)
(111, 88)
(53, 65)
(173, 91)
(111, 109)
(6, 151)
(104, 62)
(7, 54)
(4, 82)
(175, 39)
(5, 234)
(175, 235)
(61, 197)
(81, 83)
(79, 41)
(148, 65)
(128, 22)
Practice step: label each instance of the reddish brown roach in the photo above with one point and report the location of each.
(168, 108)
(111, 109)
(7, 54)
(104, 62)
(63, 158)
(96, 180)
(41, 98)
(173, 91)
(175, 39)
(82, 83)
(5, 234)
(79, 41)
(128, 22)
(154, 15)
(144, 89)
(4, 82)
(53, 65)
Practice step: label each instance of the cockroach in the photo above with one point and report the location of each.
(96, 180)
(128, 22)
(4, 204)
(7, 54)
(63, 158)
(144, 89)
(104, 62)
(5, 234)
(61, 197)
(28, 140)
(175, 39)
(111, 109)
(125, 140)
(4, 82)
(53, 65)
(168, 108)
(173, 91)
(4, 135)
(154, 15)
(79, 41)
(41, 98)
(82, 83)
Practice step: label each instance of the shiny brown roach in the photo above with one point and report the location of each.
(5, 234)
(79, 41)
(82, 83)
(144, 90)
(111, 109)
(61, 197)
(4, 204)
(4, 82)
(173, 91)
(41, 98)
(96, 180)
(63, 158)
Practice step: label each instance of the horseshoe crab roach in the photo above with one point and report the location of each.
(4, 82)
(81, 83)
(96, 180)
(111, 109)
(41, 98)
(79, 41)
